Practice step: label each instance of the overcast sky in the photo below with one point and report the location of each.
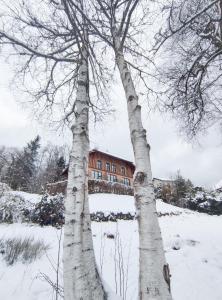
(201, 162)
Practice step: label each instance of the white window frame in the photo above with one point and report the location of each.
(123, 171)
(97, 175)
(113, 168)
(112, 178)
(126, 181)
(99, 164)
(108, 166)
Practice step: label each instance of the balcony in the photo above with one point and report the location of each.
(97, 175)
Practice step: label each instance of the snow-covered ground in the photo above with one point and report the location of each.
(192, 241)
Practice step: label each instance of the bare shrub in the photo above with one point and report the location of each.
(22, 249)
(56, 286)
(121, 266)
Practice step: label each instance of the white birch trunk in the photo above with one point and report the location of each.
(81, 279)
(154, 278)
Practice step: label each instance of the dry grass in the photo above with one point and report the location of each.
(25, 250)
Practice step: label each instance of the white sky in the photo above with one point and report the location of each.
(202, 162)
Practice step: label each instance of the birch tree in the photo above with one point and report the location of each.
(120, 24)
(56, 62)
(192, 36)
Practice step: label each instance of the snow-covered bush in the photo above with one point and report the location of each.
(100, 216)
(194, 198)
(49, 211)
(15, 208)
(25, 250)
(206, 201)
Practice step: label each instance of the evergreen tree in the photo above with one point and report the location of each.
(13, 177)
(30, 156)
(23, 166)
(182, 186)
(61, 164)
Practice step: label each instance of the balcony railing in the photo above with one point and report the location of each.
(105, 177)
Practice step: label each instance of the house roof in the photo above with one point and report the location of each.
(112, 156)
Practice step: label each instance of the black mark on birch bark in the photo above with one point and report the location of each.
(140, 177)
(87, 250)
(130, 98)
(153, 291)
(137, 201)
(74, 189)
(166, 275)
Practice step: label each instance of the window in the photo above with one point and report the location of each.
(99, 164)
(113, 168)
(126, 181)
(123, 170)
(96, 175)
(112, 178)
(108, 166)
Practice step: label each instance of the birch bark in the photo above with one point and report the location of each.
(154, 277)
(81, 279)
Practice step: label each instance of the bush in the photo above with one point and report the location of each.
(14, 208)
(205, 203)
(49, 211)
(26, 250)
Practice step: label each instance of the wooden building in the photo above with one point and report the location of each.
(107, 174)
(111, 168)
(104, 166)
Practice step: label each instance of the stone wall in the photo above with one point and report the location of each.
(56, 188)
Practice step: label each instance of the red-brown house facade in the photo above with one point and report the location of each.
(104, 166)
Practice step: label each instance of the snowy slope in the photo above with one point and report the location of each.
(111, 203)
(192, 241)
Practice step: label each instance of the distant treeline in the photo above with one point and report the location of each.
(32, 167)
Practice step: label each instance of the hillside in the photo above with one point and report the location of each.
(192, 241)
